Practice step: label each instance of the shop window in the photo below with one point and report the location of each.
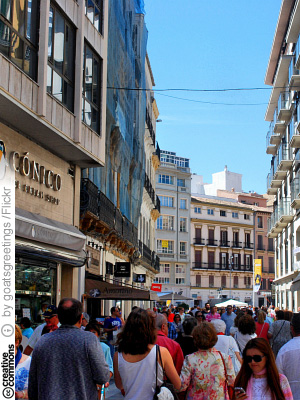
(61, 59)
(19, 33)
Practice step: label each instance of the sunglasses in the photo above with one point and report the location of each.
(257, 358)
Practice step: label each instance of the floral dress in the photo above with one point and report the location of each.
(22, 374)
(203, 375)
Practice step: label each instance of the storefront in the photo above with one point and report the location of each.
(49, 246)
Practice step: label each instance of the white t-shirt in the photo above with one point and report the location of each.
(242, 340)
(37, 333)
(225, 343)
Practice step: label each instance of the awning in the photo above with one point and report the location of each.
(105, 290)
(41, 229)
(173, 296)
(295, 286)
(28, 249)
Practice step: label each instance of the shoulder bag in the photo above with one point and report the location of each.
(166, 391)
(273, 339)
(228, 388)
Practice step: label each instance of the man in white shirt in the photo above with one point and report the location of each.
(288, 358)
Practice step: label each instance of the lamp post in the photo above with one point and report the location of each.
(230, 269)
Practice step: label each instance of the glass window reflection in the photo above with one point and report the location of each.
(59, 33)
(5, 8)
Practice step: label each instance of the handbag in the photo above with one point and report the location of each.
(166, 391)
(227, 387)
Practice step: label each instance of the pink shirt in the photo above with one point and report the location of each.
(210, 316)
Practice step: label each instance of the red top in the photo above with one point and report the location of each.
(171, 317)
(262, 330)
(174, 349)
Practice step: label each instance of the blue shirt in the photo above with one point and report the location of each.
(172, 333)
(110, 323)
(229, 320)
(27, 332)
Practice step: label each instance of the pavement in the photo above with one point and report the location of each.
(113, 392)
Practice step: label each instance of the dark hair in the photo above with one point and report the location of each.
(279, 314)
(202, 315)
(246, 325)
(25, 321)
(249, 312)
(165, 313)
(134, 307)
(93, 326)
(237, 318)
(177, 315)
(69, 311)
(205, 336)
(113, 309)
(188, 325)
(139, 331)
(272, 372)
(296, 323)
(288, 315)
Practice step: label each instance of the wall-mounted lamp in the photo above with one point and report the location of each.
(159, 120)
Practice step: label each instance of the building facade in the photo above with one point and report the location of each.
(283, 145)
(173, 187)
(53, 58)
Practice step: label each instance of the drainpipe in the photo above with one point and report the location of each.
(254, 253)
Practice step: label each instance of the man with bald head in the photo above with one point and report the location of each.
(69, 362)
(163, 340)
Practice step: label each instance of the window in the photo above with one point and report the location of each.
(165, 268)
(235, 215)
(222, 213)
(260, 242)
(198, 280)
(183, 204)
(247, 281)
(246, 216)
(167, 179)
(211, 281)
(183, 223)
(180, 269)
(182, 248)
(166, 201)
(94, 12)
(259, 222)
(197, 210)
(271, 265)
(235, 281)
(224, 241)
(270, 244)
(165, 246)
(236, 242)
(223, 281)
(165, 222)
(180, 182)
(61, 59)
(210, 211)
(19, 33)
(179, 281)
(91, 89)
(160, 279)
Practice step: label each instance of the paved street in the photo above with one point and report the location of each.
(113, 392)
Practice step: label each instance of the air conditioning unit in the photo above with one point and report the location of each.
(183, 189)
(235, 286)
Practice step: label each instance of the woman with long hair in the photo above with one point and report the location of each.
(262, 327)
(259, 375)
(177, 324)
(246, 331)
(136, 365)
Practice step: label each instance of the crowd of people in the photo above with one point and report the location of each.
(209, 353)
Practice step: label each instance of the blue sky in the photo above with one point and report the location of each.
(200, 44)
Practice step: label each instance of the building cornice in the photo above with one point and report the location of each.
(212, 222)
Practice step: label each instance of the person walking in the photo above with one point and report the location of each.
(177, 324)
(279, 332)
(203, 373)
(213, 314)
(163, 341)
(186, 341)
(228, 317)
(22, 366)
(67, 363)
(136, 365)
(262, 327)
(246, 331)
(112, 326)
(288, 358)
(259, 375)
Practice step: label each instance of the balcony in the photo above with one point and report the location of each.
(285, 106)
(295, 191)
(285, 213)
(271, 147)
(89, 197)
(220, 267)
(224, 243)
(236, 244)
(199, 242)
(279, 126)
(274, 137)
(211, 242)
(260, 247)
(295, 130)
(294, 75)
(150, 126)
(151, 192)
(284, 157)
(248, 245)
(271, 189)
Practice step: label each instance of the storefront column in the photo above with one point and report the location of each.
(58, 284)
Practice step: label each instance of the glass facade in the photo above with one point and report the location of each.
(19, 24)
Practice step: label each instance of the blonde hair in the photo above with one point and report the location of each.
(261, 316)
(18, 334)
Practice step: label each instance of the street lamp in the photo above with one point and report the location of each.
(230, 269)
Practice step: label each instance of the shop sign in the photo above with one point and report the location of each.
(122, 270)
(27, 167)
(140, 278)
(156, 287)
